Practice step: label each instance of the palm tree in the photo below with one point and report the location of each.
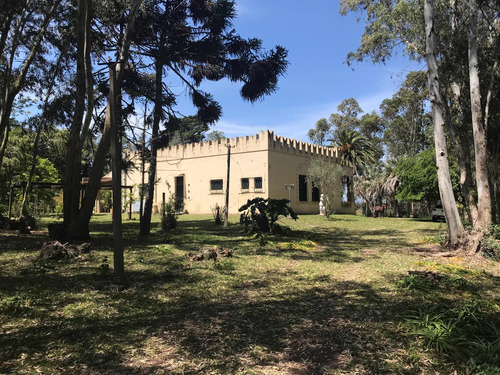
(391, 183)
(355, 149)
(370, 186)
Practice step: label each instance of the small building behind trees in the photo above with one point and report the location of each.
(260, 166)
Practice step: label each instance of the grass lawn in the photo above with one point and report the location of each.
(327, 297)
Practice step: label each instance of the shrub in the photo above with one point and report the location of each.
(168, 215)
(490, 248)
(218, 213)
(262, 213)
(469, 330)
(495, 231)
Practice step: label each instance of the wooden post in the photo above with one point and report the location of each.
(130, 206)
(118, 261)
(9, 214)
(226, 214)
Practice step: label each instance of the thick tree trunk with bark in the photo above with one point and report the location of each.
(80, 228)
(478, 127)
(148, 209)
(460, 140)
(454, 224)
(72, 170)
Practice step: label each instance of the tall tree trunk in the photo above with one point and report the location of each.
(81, 227)
(454, 225)
(116, 157)
(460, 140)
(143, 162)
(72, 170)
(478, 126)
(146, 217)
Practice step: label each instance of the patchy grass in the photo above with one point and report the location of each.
(328, 297)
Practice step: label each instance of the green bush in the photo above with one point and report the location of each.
(490, 248)
(168, 215)
(261, 214)
(495, 231)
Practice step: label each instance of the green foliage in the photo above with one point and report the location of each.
(408, 129)
(169, 215)
(319, 133)
(490, 248)
(469, 330)
(104, 267)
(225, 265)
(440, 238)
(327, 177)
(261, 214)
(105, 200)
(355, 149)
(494, 231)
(418, 177)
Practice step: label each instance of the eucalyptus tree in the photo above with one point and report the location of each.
(347, 115)
(194, 41)
(402, 23)
(407, 123)
(319, 134)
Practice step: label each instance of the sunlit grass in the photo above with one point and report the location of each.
(322, 298)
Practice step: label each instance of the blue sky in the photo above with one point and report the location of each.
(318, 39)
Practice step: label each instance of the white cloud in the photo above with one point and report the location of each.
(301, 119)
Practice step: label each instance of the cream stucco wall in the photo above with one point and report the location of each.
(277, 160)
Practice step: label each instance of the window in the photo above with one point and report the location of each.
(216, 185)
(346, 189)
(258, 183)
(315, 194)
(302, 188)
(245, 184)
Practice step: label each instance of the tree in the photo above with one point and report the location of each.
(318, 135)
(326, 175)
(418, 178)
(215, 135)
(79, 219)
(354, 149)
(453, 222)
(370, 186)
(189, 129)
(372, 127)
(408, 127)
(391, 24)
(478, 124)
(346, 117)
(24, 28)
(194, 41)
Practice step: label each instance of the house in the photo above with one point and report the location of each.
(264, 165)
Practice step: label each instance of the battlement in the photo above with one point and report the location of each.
(265, 140)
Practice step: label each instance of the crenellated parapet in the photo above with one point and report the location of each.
(292, 146)
(265, 140)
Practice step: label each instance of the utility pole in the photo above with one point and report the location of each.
(226, 214)
(116, 155)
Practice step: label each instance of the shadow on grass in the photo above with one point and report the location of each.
(338, 325)
(181, 318)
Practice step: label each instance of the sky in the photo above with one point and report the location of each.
(318, 40)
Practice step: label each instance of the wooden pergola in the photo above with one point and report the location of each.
(106, 184)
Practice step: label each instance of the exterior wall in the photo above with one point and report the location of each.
(288, 159)
(277, 160)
